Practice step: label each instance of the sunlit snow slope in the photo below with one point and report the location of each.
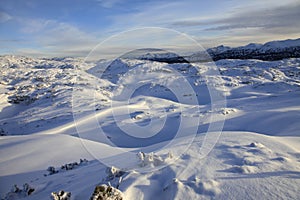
(255, 157)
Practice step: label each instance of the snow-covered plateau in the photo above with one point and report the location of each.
(153, 130)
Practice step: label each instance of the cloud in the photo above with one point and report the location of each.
(254, 21)
(245, 24)
(31, 26)
(108, 3)
(56, 38)
(272, 18)
(243, 36)
(152, 13)
(268, 19)
(188, 23)
(4, 17)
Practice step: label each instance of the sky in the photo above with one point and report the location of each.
(48, 28)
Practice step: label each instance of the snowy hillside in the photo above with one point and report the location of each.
(151, 129)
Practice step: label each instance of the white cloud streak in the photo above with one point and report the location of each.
(57, 38)
(4, 17)
(108, 3)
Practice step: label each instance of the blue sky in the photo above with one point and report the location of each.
(73, 27)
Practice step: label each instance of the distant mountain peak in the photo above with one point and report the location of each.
(273, 50)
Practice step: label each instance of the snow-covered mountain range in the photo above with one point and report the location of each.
(155, 130)
(275, 50)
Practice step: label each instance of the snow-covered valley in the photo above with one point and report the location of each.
(223, 130)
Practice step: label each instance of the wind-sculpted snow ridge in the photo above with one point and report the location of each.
(256, 156)
(37, 93)
(242, 165)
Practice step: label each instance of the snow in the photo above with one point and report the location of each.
(149, 128)
(281, 44)
(273, 45)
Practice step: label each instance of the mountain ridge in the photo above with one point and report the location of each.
(273, 50)
(269, 51)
